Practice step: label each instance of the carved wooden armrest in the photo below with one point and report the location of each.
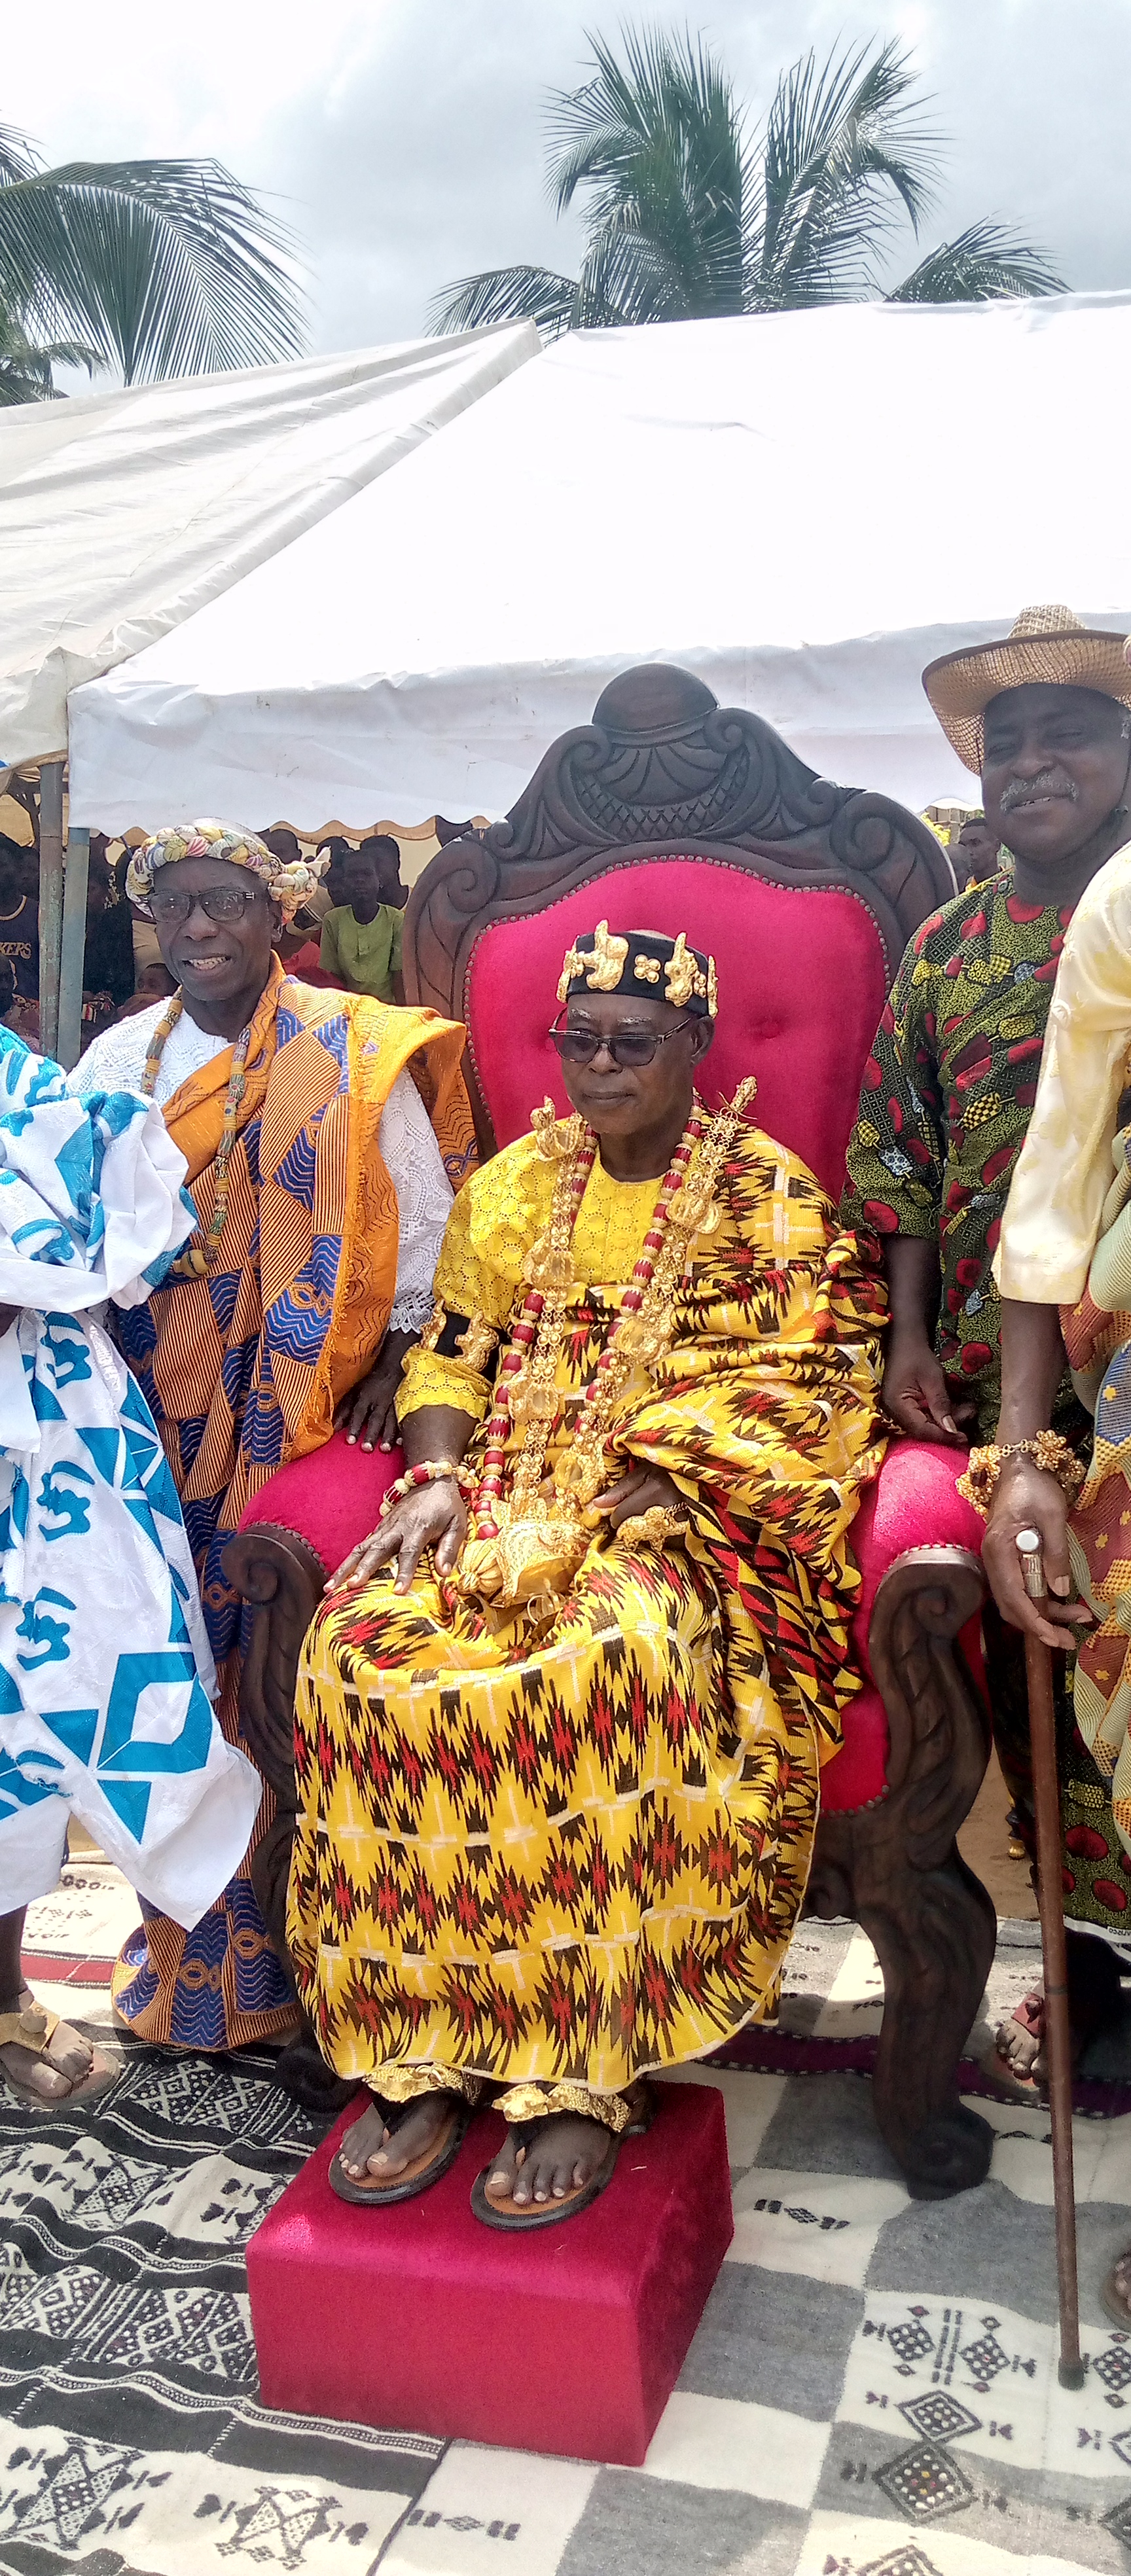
(282, 1579)
(938, 1723)
(894, 1868)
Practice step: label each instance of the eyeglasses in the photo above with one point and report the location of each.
(221, 903)
(627, 1047)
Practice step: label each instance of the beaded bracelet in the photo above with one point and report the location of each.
(1048, 1452)
(431, 1471)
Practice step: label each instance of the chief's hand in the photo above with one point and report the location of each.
(642, 1489)
(432, 1516)
(916, 1395)
(368, 1413)
(1027, 1497)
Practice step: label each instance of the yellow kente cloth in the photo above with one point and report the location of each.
(578, 1853)
(243, 1368)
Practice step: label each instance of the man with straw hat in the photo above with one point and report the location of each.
(1043, 716)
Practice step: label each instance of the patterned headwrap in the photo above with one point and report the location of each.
(288, 881)
(645, 963)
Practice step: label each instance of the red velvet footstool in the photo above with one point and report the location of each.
(419, 2319)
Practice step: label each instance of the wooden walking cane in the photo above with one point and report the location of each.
(1050, 1898)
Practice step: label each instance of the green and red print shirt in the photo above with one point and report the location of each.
(945, 1103)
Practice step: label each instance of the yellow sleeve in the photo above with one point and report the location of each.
(494, 1220)
(1052, 1215)
(328, 948)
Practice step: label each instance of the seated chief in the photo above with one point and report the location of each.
(560, 1724)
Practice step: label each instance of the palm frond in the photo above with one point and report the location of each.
(688, 215)
(656, 139)
(985, 261)
(518, 294)
(18, 160)
(845, 146)
(169, 267)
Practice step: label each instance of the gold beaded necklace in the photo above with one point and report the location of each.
(198, 1260)
(526, 1544)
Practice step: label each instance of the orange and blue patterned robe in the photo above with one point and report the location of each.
(243, 1368)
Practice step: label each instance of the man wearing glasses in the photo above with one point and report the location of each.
(560, 1722)
(321, 1196)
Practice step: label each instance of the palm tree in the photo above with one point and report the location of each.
(687, 217)
(157, 268)
(26, 364)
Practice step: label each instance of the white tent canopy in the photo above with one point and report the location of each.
(803, 508)
(122, 513)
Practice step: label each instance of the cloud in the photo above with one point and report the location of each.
(404, 141)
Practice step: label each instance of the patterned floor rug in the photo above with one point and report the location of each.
(872, 2391)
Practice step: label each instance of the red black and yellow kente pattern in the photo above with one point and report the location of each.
(574, 1853)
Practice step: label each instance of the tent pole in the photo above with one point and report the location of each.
(73, 957)
(50, 900)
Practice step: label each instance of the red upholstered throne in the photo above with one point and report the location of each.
(670, 813)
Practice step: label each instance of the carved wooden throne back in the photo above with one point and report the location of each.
(669, 812)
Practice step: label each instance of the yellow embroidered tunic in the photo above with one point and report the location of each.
(572, 1854)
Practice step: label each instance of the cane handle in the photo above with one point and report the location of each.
(1032, 1563)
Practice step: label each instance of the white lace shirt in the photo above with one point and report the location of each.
(116, 1062)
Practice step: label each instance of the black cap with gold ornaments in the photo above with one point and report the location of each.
(1046, 643)
(642, 962)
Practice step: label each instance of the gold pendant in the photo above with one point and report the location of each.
(644, 1337)
(548, 1265)
(555, 1137)
(693, 1209)
(477, 1343)
(530, 1402)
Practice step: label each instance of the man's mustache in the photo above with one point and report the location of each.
(1048, 782)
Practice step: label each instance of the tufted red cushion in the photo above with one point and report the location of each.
(914, 1502)
(330, 1499)
(801, 989)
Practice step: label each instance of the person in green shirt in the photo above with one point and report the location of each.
(361, 938)
(1045, 715)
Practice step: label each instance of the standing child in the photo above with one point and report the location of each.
(361, 938)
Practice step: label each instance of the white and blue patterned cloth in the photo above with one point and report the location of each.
(106, 1676)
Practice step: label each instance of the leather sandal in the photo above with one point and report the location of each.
(522, 2218)
(34, 2027)
(418, 2176)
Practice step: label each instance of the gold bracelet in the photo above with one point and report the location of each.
(659, 1522)
(1047, 1450)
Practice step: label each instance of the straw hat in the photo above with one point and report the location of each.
(1044, 644)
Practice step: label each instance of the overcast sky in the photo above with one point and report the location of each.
(402, 139)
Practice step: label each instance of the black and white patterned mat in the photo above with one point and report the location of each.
(872, 2390)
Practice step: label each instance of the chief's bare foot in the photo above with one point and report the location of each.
(1095, 2000)
(564, 2154)
(369, 2150)
(54, 2072)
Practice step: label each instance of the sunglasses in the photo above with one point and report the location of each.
(221, 903)
(627, 1047)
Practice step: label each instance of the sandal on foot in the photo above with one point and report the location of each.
(519, 2219)
(418, 2176)
(1117, 2304)
(35, 2028)
(1008, 2083)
